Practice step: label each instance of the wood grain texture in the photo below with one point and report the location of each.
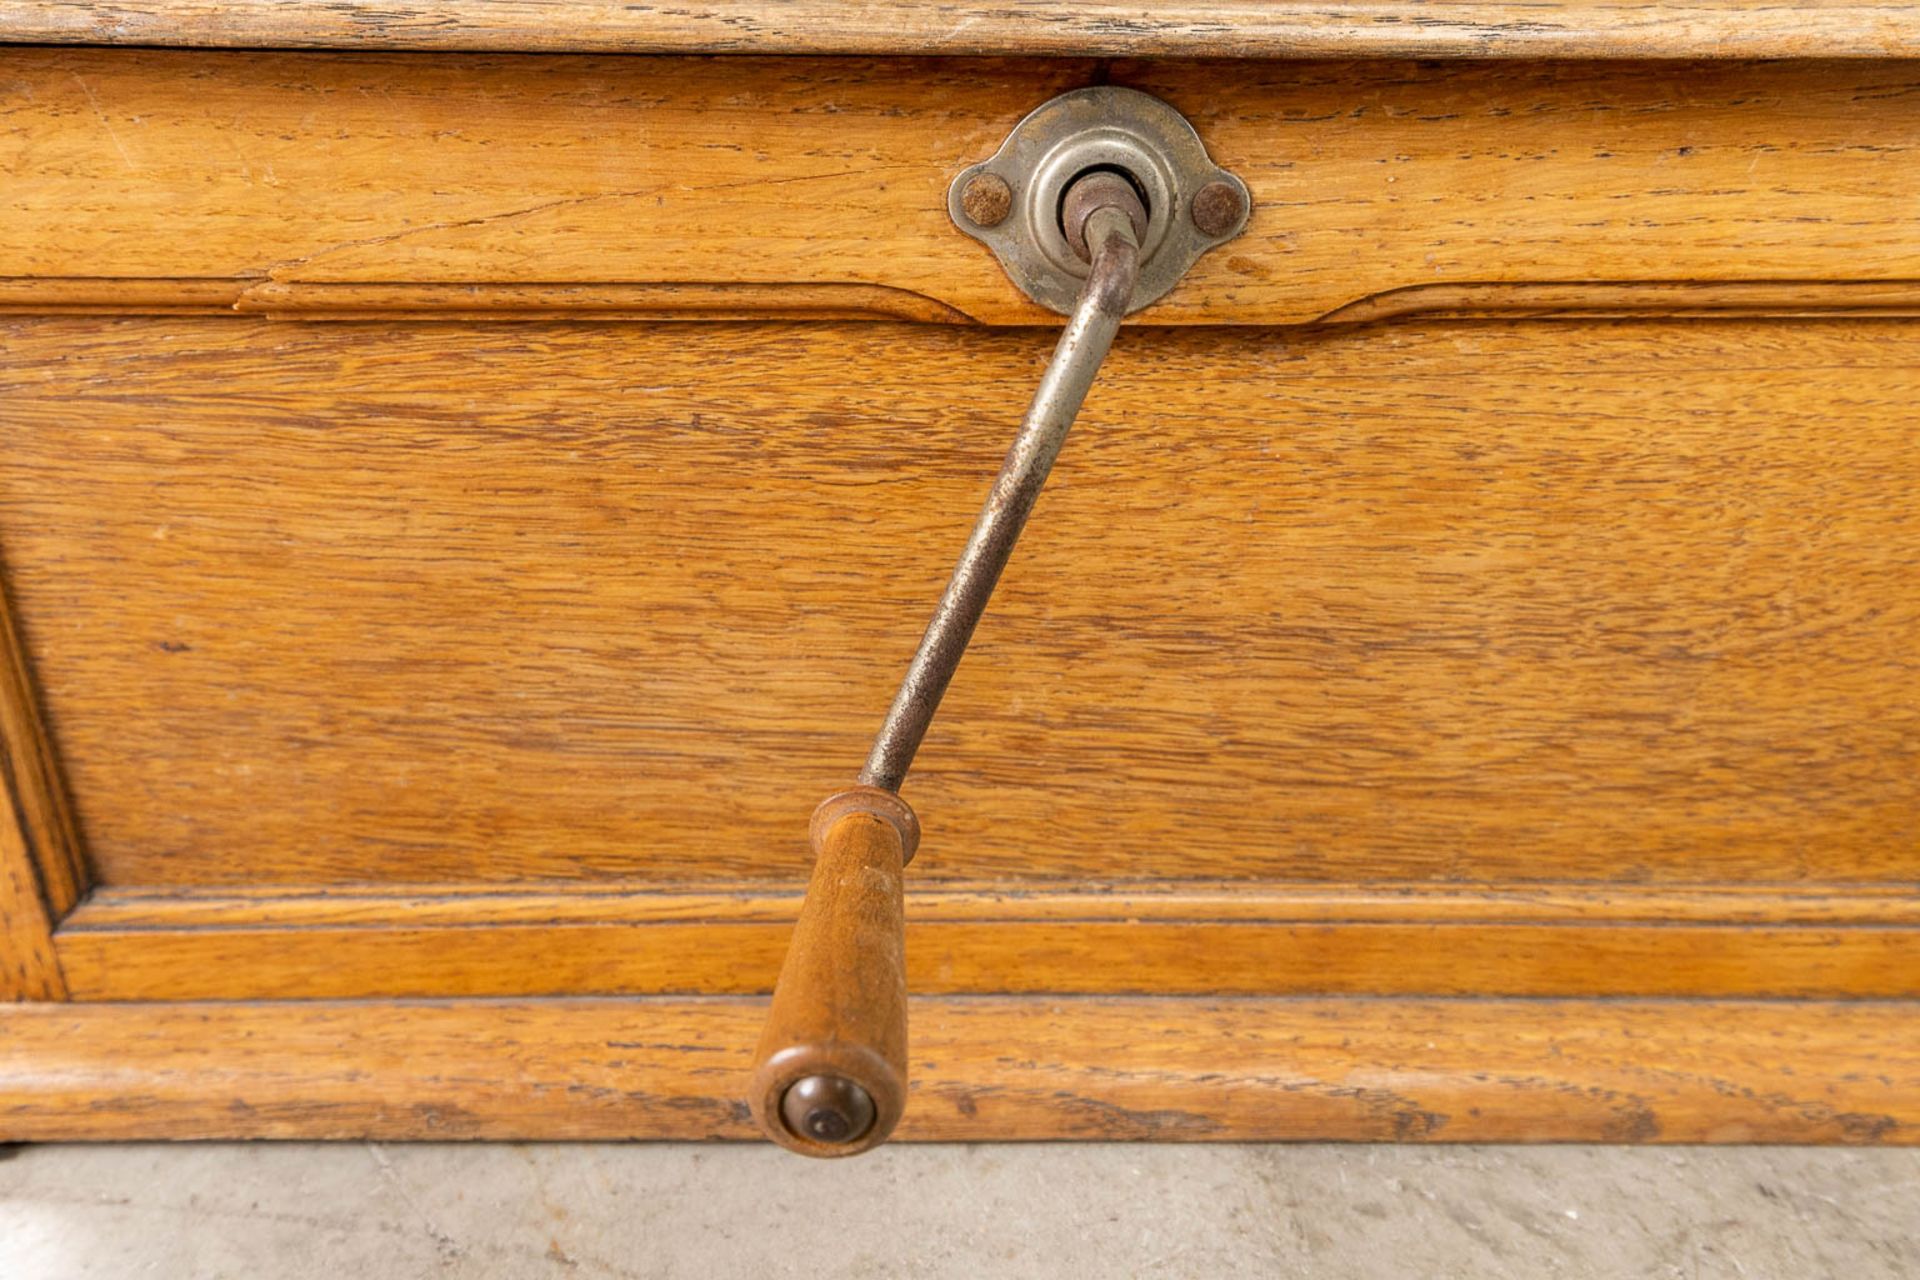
(1034, 936)
(1194, 28)
(1493, 602)
(1400, 661)
(1030, 899)
(534, 177)
(1651, 300)
(984, 1069)
(509, 303)
(41, 873)
(282, 300)
(1204, 950)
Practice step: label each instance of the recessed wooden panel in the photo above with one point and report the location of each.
(270, 170)
(488, 603)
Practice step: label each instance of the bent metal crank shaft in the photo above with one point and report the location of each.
(1096, 204)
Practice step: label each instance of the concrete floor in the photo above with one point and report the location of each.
(373, 1212)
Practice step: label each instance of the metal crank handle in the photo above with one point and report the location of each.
(830, 1075)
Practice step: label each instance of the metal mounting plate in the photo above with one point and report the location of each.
(1099, 128)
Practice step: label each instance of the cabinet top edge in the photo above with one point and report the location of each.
(1587, 29)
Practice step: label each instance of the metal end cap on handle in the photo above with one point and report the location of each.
(827, 1109)
(828, 1101)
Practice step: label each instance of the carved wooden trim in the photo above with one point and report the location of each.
(300, 300)
(1649, 299)
(983, 1069)
(1506, 188)
(482, 301)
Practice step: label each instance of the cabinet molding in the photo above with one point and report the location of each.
(986, 1068)
(482, 183)
(588, 302)
(1102, 28)
(1164, 938)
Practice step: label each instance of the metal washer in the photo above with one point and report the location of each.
(1100, 127)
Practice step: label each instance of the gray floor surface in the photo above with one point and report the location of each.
(375, 1211)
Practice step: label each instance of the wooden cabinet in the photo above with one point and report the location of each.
(459, 509)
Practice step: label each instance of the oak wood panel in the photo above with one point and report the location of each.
(1216, 28)
(699, 173)
(1195, 957)
(1162, 937)
(96, 295)
(983, 1069)
(1623, 602)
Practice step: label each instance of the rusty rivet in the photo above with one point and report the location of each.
(829, 1109)
(987, 199)
(1218, 208)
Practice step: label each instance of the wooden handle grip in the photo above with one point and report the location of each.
(830, 1075)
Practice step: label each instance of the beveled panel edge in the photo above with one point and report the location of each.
(476, 301)
(42, 873)
(777, 901)
(1652, 299)
(1192, 940)
(983, 1069)
(1195, 28)
(484, 301)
